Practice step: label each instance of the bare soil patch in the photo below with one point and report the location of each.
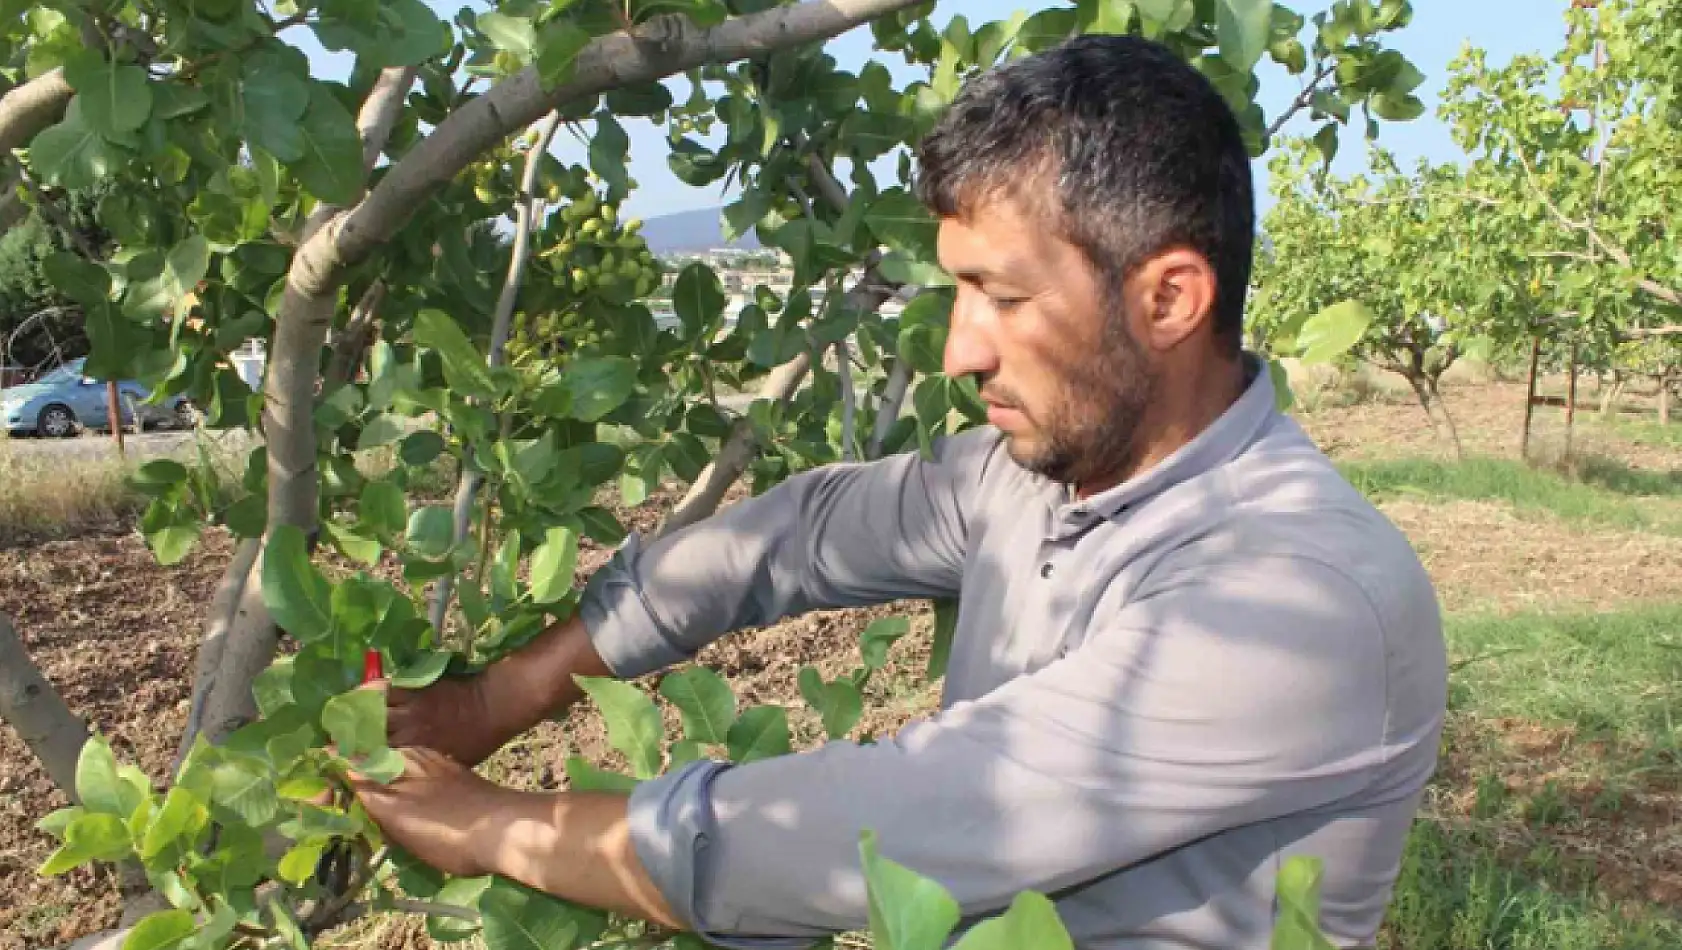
(1484, 556)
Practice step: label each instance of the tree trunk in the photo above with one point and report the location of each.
(1571, 401)
(1664, 400)
(224, 604)
(1530, 397)
(1431, 400)
(1609, 395)
(35, 709)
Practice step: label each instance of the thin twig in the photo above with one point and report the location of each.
(1303, 98)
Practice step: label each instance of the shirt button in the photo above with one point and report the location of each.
(1045, 569)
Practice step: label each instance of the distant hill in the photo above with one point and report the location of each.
(690, 232)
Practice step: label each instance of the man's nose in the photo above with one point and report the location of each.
(969, 343)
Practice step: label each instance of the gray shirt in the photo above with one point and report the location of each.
(1155, 695)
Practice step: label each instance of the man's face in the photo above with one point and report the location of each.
(1057, 365)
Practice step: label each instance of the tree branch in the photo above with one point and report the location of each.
(289, 434)
(526, 212)
(224, 604)
(661, 47)
(1303, 98)
(849, 401)
(31, 107)
(353, 341)
(39, 714)
(893, 397)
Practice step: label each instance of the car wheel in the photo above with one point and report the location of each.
(56, 422)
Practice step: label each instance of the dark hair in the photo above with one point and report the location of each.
(1143, 151)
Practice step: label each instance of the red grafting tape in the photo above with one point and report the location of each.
(372, 667)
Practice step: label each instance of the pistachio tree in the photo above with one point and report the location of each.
(1380, 266)
(1574, 154)
(437, 287)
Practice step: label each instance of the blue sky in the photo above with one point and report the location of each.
(1439, 29)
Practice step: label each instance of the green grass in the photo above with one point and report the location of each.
(1615, 675)
(1511, 874)
(1603, 493)
(1454, 894)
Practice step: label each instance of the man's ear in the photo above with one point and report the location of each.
(1173, 295)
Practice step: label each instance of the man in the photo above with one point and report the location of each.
(1187, 650)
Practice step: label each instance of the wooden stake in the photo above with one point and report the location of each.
(114, 416)
(1530, 398)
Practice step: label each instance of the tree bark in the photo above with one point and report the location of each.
(660, 47)
(1530, 397)
(526, 212)
(289, 432)
(31, 107)
(352, 344)
(893, 397)
(224, 604)
(39, 714)
(1571, 401)
(1664, 400)
(1430, 399)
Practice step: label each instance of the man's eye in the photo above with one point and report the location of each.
(1008, 303)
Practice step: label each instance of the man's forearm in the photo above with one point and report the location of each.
(574, 845)
(536, 681)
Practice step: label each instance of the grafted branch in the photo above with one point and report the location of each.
(31, 107)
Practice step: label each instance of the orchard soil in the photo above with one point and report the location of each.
(117, 634)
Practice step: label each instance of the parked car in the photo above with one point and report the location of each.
(65, 401)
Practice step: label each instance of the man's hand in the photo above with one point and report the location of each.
(454, 716)
(469, 718)
(435, 810)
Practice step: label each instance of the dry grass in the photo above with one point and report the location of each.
(45, 497)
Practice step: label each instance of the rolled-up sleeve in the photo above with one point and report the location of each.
(1230, 694)
(838, 536)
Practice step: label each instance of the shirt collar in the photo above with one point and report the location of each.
(1222, 441)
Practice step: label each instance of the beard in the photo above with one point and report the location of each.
(1091, 427)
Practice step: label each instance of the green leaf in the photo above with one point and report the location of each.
(431, 531)
(840, 705)
(698, 296)
(1242, 28)
(296, 595)
(78, 278)
(584, 777)
(274, 100)
(464, 365)
(356, 721)
(945, 628)
(383, 429)
(1334, 331)
(552, 565)
(511, 33)
(331, 167)
(907, 910)
(1297, 892)
(519, 918)
(162, 930)
(91, 836)
(1031, 921)
(353, 544)
(760, 732)
(383, 509)
(97, 783)
(383, 766)
(599, 385)
(687, 456)
(879, 637)
(180, 819)
(245, 787)
(420, 448)
(298, 864)
(558, 45)
(116, 97)
(71, 155)
(633, 721)
(705, 701)
(422, 672)
(901, 222)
